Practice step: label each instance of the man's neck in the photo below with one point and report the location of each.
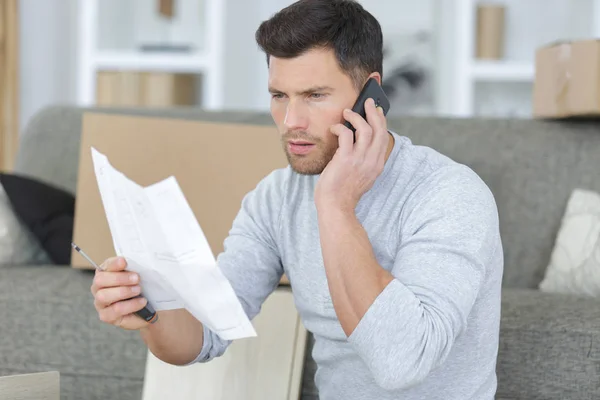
(391, 142)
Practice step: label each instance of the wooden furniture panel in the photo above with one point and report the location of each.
(9, 87)
(37, 386)
(266, 367)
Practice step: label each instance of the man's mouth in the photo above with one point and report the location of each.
(300, 147)
(300, 142)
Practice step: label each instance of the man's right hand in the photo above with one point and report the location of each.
(176, 338)
(115, 292)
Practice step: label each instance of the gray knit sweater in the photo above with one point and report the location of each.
(433, 332)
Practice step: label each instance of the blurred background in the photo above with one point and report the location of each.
(443, 57)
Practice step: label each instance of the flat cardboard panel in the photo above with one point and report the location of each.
(215, 164)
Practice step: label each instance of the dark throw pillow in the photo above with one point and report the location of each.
(47, 211)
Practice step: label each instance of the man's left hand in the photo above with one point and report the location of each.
(355, 166)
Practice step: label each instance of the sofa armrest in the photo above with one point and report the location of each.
(49, 324)
(549, 346)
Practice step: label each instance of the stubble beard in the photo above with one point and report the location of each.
(311, 164)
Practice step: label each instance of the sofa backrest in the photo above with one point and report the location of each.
(531, 166)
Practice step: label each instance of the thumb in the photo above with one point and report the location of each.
(114, 264)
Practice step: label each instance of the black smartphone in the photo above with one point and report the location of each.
(373, 90)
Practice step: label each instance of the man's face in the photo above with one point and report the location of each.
(308, 96)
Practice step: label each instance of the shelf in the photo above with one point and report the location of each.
(167, 62)
(503, 71)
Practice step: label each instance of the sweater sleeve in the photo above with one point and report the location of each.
(449, 233)
(251, 257)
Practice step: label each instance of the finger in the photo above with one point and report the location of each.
(113, 279)
(377, 121)
(115, 313)
(345, 138)
(114, 264)
(106, 297)
(110, 264)
(375, 117)
(363, 129)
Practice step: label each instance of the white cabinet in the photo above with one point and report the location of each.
(266, 367)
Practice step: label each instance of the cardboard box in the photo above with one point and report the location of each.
(166, 8)
(567, 80)
(215, 164)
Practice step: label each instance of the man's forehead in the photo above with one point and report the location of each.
(303, 72)
(300, 84)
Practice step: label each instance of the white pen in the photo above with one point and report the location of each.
(78, 249)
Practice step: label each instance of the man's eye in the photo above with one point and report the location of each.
(316, 95)
(277, 95)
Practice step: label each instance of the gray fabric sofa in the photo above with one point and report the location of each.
(549, 343)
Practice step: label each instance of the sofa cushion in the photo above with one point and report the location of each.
(575, 263)
(18, 246)
(549, 346)
(47, 211)
(49, 323)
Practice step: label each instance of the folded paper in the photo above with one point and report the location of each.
(156, 231)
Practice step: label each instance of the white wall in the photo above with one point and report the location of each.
(245, 66)
(526, 30)
(126, 24)
(262, 99)
(47, 54)
(116, 29)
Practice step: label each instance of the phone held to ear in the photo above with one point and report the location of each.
(372, 90)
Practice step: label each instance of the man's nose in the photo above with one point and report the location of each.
(295, 117)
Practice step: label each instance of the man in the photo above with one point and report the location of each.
(393, 250)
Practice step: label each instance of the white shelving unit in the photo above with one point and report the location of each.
(207, 62)
(502, 71)
(112, 60)
(464, 70)
(460, 72)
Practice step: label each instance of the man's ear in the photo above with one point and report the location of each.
(377, 77)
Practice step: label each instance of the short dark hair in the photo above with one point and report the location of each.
(342, 25)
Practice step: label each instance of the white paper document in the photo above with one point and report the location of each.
(155, 229)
